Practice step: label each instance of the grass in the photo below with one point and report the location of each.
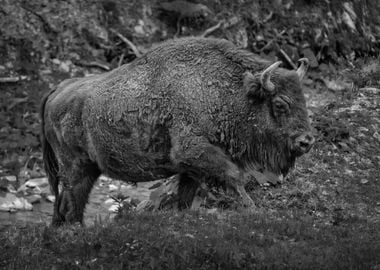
(192, 240)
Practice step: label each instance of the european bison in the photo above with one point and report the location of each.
(197, 107)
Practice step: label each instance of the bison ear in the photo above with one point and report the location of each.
(252, 85)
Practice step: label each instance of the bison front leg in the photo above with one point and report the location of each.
(80, 179)
(63, 203)
(194, 156)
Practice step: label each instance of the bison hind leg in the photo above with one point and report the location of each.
(79, 180)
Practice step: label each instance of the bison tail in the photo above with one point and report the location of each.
(49, 158)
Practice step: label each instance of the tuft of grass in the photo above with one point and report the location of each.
(194, 240)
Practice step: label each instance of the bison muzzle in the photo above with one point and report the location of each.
(200, 108)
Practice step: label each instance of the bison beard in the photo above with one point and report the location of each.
(201, 108)
(267, 152)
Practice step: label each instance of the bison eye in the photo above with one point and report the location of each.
(281, 105)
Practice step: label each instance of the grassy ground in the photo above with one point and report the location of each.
(190, 240)
(325, 216)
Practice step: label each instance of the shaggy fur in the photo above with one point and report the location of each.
(185, 107)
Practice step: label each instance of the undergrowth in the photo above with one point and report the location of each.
(191, 240)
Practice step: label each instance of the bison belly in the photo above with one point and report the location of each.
(135, 151)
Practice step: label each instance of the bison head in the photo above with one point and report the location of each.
(278, 124)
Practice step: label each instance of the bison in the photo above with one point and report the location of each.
(197, 107)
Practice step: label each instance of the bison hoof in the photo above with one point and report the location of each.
(72, 219)
(57, 223)
(246, 200)
(58, 220)
(243, 196)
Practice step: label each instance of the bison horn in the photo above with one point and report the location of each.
(301, 71)
(265, 76)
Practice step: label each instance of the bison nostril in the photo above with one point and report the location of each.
(304, 144)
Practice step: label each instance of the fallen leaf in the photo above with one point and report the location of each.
(189, 235)
(363, 181)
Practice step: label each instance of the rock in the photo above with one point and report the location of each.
(114, 208)
(24, 190)
(35, 186)
(139, 29)
(50, 198)
(9, 65)
(65, 66)
(127, 187)
(56, 61)
(9, 178)
(105, 179)
(12, 203)
(109, 201)
(113, 187)
(35, 198)
(45, 191)
(11, 189)
(37, 182)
